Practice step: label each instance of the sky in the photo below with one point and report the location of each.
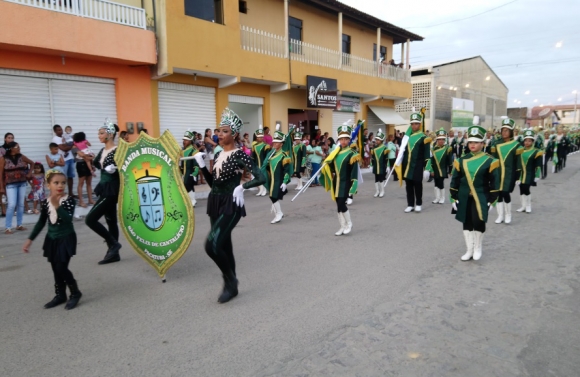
(518, 39)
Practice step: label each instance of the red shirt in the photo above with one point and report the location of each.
(268, 140)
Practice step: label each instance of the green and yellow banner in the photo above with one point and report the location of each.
(155, 211)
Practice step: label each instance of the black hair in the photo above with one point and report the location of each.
(55, 126)
(79, 136)
(41, 166)
(53, 145)
(123, 134)
(8, 134)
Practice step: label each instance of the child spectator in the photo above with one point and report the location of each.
(37, 183)
(55, 159)
(82, 144)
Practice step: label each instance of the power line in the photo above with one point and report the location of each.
(460, 19)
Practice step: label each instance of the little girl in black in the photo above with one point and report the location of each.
(60, 243)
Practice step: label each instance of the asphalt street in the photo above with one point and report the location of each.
(390, 299)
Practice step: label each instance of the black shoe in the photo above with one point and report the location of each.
(430, 179)
(230, 289)
(75, 296)
(60, 298)
(112, 254)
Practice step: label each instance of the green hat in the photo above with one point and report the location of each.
(344, 131)
(231, 120)
(476, 133)
(279, 137)
(298, 135)
(441, 134)
(188, 135)
(259, 132)
(416, 118)
(529, 134)
(380, 135)
(508, 123)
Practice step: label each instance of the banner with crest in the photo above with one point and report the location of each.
(155, 211)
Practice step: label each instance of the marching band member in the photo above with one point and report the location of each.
(531, 170)
(299, 157)
(189, 168)
(438, 165)
(380, 163)
(259, 151)
(279, 171)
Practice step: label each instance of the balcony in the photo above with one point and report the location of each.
(96, 9)
(262, 42)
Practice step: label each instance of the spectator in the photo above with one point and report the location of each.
(65, 150)
(8, 138)
(215, 137)
(85, 178)
(55, 160)
(392, 62)
(37, 183)
(13, 182)
(318, 135)
(209, 146)
(267, 136)
(315, 159)
(393, 149)
(124, 135)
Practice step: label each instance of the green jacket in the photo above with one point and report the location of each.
(259, 152)
(380, 159)
(507, 153)
(299, 153)
(441, 159)
(531, 163)
(189, 168)
(476, 176)
(277, 172)
(341, 172)
(64, 222)
(416, 156)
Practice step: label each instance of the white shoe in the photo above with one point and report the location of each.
(377, 190)
(348, 222)
(264, 191)
(342, 222)
(349, 201)
(469, 243)
(382, 188)
(529, 203)
(260, 190)
(437, 194)
(523, 207)
(500, 211)
(192, 197)
(442, 196)
(299, 185)
(417, 208)
(508, 213)
(477, 245)
(409, 209)
(278, 211)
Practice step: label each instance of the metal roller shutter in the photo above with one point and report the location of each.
(338, 119)
(183, 107)
(373, 122)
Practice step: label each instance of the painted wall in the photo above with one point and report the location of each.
(250, 114)
(133, 88)
(318, 27)
(295, 99)
(30, 29)
(266, 15)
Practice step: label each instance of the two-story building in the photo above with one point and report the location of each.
(73, 62)
(314, 63)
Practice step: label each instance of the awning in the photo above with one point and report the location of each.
(388, 115)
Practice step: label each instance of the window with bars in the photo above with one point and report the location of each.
(421, 98)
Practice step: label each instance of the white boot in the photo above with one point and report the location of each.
(478, 244)
(377, 189)
(299, 185)
(192, 197)
(437, 194)
(342, 222)
(500, 208)
(508, 213)
(469, 243)
(442, 196)
(264, 191)
(348, 222)
(529, 203)
(382, 189)
(259, 191)
(278, 211)
(523, 207)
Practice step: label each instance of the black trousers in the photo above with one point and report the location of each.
(504, 196)
(392, 165)
(218, 244)
(472, 220)
(380, 177)
(545, 168)
(414, 193)
(62, 274)
(189, 184)
(440, 183)
(105, 206)
(524, 189)
(341, 204)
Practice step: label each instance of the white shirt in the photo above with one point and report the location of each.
(59, 140)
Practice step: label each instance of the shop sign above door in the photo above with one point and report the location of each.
(348, 104)
(322, 92)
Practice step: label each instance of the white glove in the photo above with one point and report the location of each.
(199, 159)
(426, 175)
(283, 187)
(536, 179)
(239, 196)
(518, 183)
(111, 169)
(454, 205)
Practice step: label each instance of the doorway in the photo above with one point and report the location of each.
(306, 121)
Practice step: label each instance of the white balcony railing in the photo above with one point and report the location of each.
(266, 43)
(98, 9)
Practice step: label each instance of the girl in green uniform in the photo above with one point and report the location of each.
(474, 188)
(60, 243)
(531, 170)
(189, 168)
(380, 163)
(438, 165)
(279, 171)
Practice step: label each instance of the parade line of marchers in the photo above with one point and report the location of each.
(154, 203)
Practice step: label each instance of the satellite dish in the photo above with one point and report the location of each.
(544, 112)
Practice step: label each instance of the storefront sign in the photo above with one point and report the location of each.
(348, 104)
(155, 211)
(322, 92)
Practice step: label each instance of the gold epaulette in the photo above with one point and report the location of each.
(456, 165)
(539, 154)
(493, 149)
(427, 140)
(519, 151)
(355, 158)
(286, 161)
(494, 165)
